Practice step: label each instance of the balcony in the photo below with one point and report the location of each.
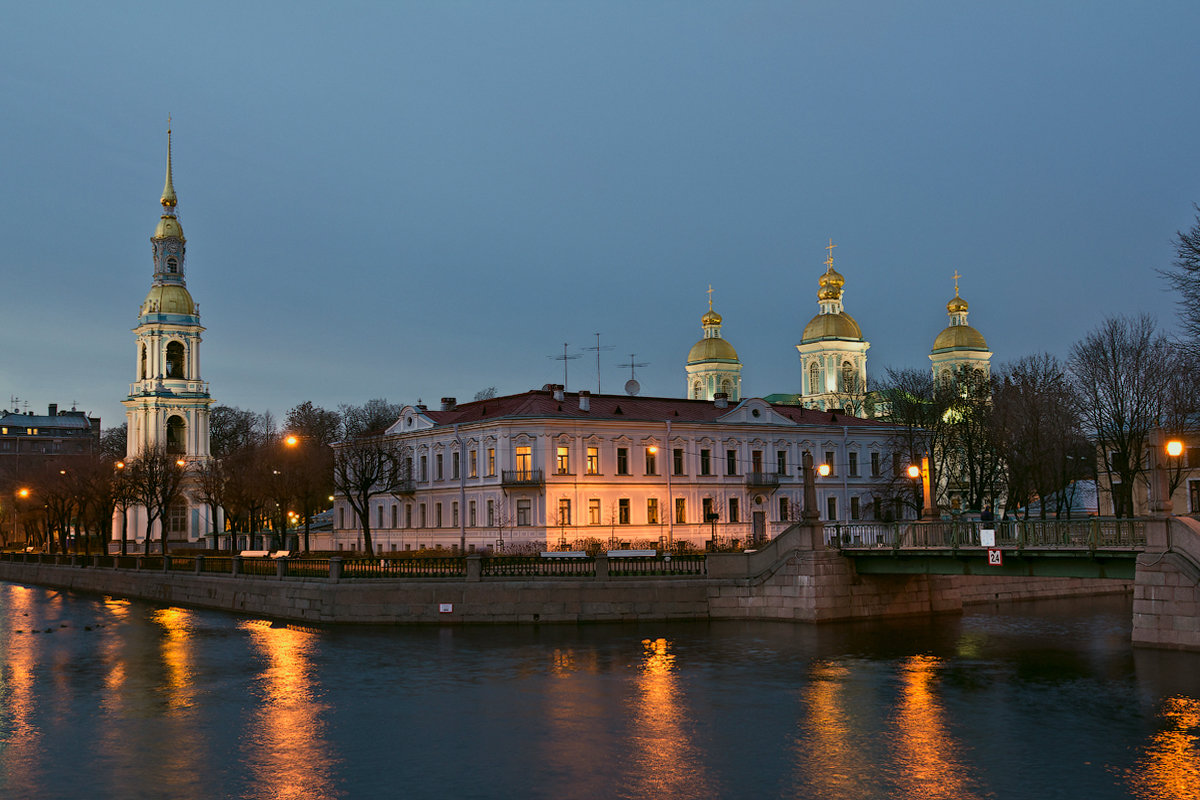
(521, 478)
(405, 486)
(762, 480)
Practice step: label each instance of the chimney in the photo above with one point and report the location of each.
(449, 403)
(558, 392)
(721, 399)
(585, 400)
(53, 410)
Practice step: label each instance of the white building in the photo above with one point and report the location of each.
(552, 467)
(168, 404)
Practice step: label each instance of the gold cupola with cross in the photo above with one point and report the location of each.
(168, 402)
(959, 346)
(712, 363)
(833, 353)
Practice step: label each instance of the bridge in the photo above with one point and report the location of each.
(1086, 548)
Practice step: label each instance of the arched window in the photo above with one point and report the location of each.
(697, 390)
(175, 360)
(847, 376)
(177, 516)
(172, 265)
(814, 378)
(176, 435)
(142, 365)
(727, 388)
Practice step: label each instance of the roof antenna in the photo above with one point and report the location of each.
(632, 387)
(565, 358)
(598, 348)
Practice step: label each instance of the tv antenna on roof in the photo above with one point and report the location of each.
(632, 387)
(564, 358)
(598, 348)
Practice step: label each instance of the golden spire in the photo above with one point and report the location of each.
(168, 196)
(829, 260)
(957, 305)
(956, 277)
(710, 317)
(710, 297)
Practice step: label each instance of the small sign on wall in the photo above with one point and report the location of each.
(446, 608)
(995, 557)
(987, 537)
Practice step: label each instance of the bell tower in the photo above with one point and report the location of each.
(168, 402)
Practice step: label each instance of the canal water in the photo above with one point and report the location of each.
(105, 698)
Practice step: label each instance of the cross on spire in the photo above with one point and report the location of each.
(710, 297)
(956, 277)
(829, 258)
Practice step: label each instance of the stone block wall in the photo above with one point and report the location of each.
(1166, 597)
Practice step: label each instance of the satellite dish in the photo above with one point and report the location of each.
(632, 387)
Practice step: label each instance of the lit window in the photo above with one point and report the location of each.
(594, 511)
(680, 510)
(652, 511)
(491, 462)
(563, 460)
(473, 465)
(623, 511)
(651, 462)
(593, 461)
(524, 457)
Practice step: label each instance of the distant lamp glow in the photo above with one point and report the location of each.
(653, 449)
(291, 440)
(120, 465)
(1174, 448)
(823, 470)
(180, 463)
(22, 493)
(914, 471)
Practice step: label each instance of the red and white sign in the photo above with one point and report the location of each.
(995, 557)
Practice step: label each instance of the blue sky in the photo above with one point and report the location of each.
(417, 200)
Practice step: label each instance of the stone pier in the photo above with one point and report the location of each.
(1166, 597)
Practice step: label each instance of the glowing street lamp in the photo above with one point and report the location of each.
(291, 440)
(914, 471)
(823, 470)
(1174, 448)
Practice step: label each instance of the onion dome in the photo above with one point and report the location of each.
(831, 285)
(959, 337)
(712, 347)
(832, 326)
(168, 298)
(957, 305)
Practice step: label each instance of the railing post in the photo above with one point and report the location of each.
(166, 563)
(235, 568)
(199, 565)
(602, 567)
(335, 568)
(474, 568)
(281, 568)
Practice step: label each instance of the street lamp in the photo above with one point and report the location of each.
(23, 494)
(823, 470)
(1174, 448)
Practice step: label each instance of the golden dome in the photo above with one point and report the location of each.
(956, 305)
(832, 326)
(712, 349)
(168, 299)
(168, 226)
(959, 337)
(831, 285)
(710, 318)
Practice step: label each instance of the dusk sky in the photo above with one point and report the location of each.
(418, 200)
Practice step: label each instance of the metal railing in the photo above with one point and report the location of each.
(653, 566)
(452, 567)
(521, 477)
(764, 480)
(1080, 534)
(537, 567)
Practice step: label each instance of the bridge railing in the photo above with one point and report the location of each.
(1091, 533)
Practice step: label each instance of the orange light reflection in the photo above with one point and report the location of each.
(831, 760)
(1170, 767)
(21, 739)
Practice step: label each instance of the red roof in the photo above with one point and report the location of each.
(540, 404)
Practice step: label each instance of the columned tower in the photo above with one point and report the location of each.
(959, 346)
(168, 404)
(713, 365)
(833, 352)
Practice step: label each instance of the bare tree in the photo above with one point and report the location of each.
(158, 478)
(209, 487)
(1121, 372)
(909, 399)
(486, 394)
(364, 468)
(1184, 278)
(124, 498)
(373, 416)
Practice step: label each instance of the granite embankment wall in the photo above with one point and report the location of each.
(795, 577)
(1166, 599)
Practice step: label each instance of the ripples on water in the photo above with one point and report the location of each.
(111, 699)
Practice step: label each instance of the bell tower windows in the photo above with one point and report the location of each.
(175, 360)
(172, 265)
(176, 435)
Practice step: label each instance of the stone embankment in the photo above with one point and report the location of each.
(795, 577)
(1166, 599)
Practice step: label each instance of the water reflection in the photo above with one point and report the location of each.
(927, 764)
(1170, 767)
(288, 754)
(20, 737)
(180, 755)
(666, 761)
(831, 760)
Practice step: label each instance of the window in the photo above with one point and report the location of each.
(705, 462)
(783, 509)
(622, 460)
(896, 464)
(853, 458)
(697, 390)
(395, 515)
(342, 517)
(524, 462)
(814, 378)
(652, 511)
(781, 462)
(681, 510)
(756, 461)
(564, 460)
(177, 521)
(706, 508)
(829, 461)
(408, 515)
(437, 467)
(176, 436)
(491, 513)
(491, 461)
(424, 521)
(473, 464)
(848, 377)
(437, 515)
(424, 476)
(175, 360)
(564, 511)
(594, 511)
(651, 460)
(677, 461)
(874, 465)
(1194, 496)
(379, 516)
(623, 511)
(855, 508)
(593, 461)
(454, 515)
(471, 513)
(831, 508)
(523, 512)
(454, 465)
(733, 509)
(172, 264)
(731, 462)
(1193, 457)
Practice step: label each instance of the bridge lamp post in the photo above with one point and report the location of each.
(914, 474)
